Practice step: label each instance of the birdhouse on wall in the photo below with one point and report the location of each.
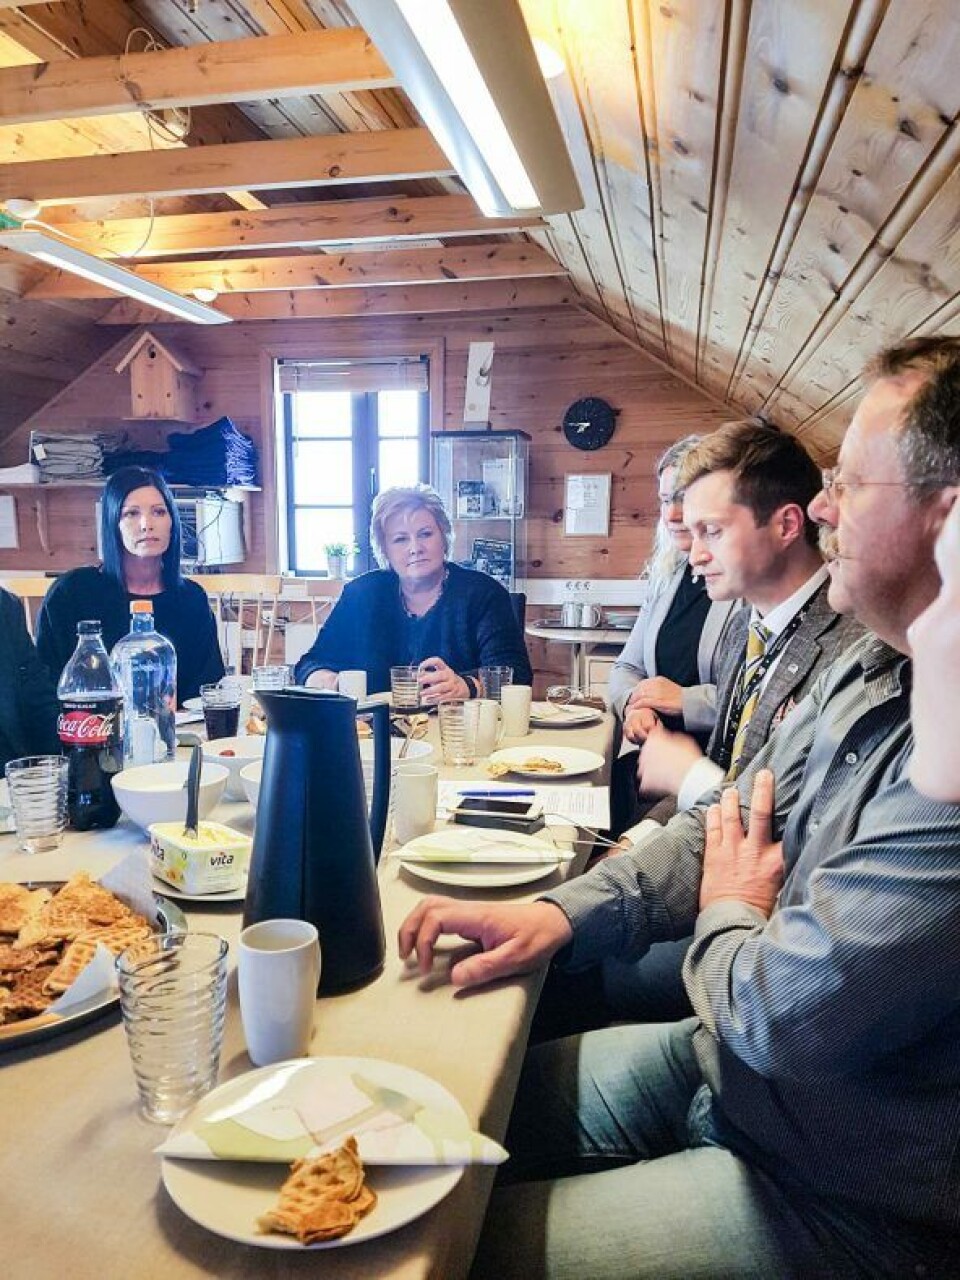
(163, 383)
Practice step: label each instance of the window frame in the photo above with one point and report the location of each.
(275, 453)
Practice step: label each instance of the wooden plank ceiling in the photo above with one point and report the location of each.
(772, 187)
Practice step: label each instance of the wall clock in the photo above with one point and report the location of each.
(588, 424)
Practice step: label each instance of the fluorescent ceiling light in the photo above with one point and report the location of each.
(47, 248)
(470, 68)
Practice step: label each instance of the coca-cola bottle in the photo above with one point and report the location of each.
(91, 731)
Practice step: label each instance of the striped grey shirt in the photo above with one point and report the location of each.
(830, 1036)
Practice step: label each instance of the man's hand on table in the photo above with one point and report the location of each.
(747, 867)
(665, 758)
(513, 938)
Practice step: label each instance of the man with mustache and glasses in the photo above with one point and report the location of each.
(804, 1122)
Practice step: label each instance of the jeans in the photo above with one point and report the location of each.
(618, 1173)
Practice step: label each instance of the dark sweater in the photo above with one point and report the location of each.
(182, 615)
(28, 700)
(472, 625)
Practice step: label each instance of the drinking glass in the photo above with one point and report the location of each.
(221, 709)
(493, 679)
(277, 677)
(405, 687)
(173, 992)
(38, 797)
(458, 732)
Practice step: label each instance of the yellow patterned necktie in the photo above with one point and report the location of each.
(757, 640)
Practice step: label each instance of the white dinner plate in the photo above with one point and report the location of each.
(480, 875)
(227, 1196)
(193, 704)
(226, 895)
(548, 715)
(572, 760)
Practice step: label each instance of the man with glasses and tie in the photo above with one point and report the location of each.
(804, 1122)
(746, 488)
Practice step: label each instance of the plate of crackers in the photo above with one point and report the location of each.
(49, 933)
(318, 1202)
(545, 762)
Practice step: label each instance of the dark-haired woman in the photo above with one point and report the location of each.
(140, 540)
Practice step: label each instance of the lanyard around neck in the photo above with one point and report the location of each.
(746, 690)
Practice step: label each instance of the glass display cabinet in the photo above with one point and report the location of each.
(482, 478)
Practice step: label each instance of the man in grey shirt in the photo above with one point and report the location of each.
(805, 1121)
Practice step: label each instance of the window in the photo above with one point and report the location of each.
(349, 429)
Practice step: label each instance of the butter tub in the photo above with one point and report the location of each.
(213, 862)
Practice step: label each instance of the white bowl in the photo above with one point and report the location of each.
(156, 792)
(250, 781)
(250, 773)
(243, 750)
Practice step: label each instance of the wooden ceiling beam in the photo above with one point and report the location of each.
(339, 61)
(324, 271)
(420, 299)
(304, 225)
(388, 155)
(73, 30)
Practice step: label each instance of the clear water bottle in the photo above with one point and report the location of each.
(90, 730)
(145, 663)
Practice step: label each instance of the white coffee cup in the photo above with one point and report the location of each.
(353, 684)
(489, 722)
(415, 800)
(278, 971)
(515, 701)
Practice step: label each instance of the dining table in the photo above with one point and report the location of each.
(82, 1192)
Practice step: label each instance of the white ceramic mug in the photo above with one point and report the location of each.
(278, 972)
(489, 721)
(515, 701)
(415, 800)
(353, 684)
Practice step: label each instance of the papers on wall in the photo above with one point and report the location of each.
(8, 522)
(586, 806)
(587, 505)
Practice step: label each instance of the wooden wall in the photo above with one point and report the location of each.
(544, 360)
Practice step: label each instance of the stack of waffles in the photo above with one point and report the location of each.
(47, 938)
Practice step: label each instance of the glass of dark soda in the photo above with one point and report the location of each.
(221, 709)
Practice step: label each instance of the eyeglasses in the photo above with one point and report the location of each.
(835, 487)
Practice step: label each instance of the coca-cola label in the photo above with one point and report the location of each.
(84, 727)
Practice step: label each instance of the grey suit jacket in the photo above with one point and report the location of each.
(638, 660)
(821, 637)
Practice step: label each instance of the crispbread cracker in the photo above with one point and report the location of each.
(323, 1198)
